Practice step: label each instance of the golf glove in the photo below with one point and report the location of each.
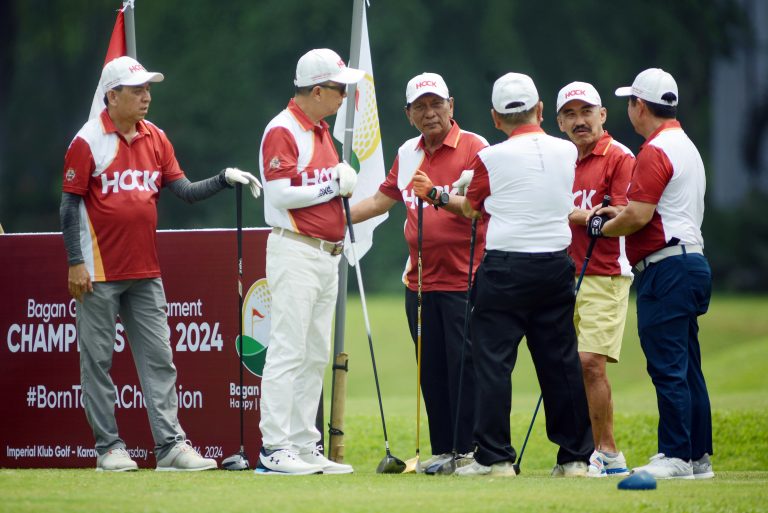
(233, 175)
(595, 226)
(347, 178)
(463, 182)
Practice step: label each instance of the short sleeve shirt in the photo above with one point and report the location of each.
(526, 185)
(295, 148)
(606, 170)
(446, 236)
(120, 184)
(669, 173)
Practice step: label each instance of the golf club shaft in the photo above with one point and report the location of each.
(239, 204)
(530, 427)
(467, 311)
(365, 319)
(419, 243)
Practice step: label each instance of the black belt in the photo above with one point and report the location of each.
(498, 254)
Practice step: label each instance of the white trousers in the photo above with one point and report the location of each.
(304, 285)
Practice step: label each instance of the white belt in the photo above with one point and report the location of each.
(680, 249)
(332, 248)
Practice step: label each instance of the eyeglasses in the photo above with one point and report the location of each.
(339, 88)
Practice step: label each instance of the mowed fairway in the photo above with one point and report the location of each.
(734, 339)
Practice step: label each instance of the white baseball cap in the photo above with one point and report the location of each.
(324, 65)
(126, 71)
(426, 83)
(651, 85)
(514, 92)
(578, 91)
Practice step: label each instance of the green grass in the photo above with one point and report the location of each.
(734, 338)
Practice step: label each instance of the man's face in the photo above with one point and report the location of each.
(131, 103)
(331, 94)
(431, 115)
(582, 122)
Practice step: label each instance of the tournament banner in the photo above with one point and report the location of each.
(44, 423)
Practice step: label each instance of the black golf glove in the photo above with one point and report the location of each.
(595, 226)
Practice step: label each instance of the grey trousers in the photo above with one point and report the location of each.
(142, 308)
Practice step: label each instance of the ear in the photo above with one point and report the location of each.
(540, 111)
(560, 122)
(315, 94)
(450, 103)
(603, 115)
(407, 112)
(112, 97)
(496, 119)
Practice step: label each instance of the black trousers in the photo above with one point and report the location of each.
(442, 336)
(531, 295)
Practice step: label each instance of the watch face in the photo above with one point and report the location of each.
(444, 198)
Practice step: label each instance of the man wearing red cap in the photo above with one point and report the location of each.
(113, 172)
(603, 168)
(303, 186)
(662, 223)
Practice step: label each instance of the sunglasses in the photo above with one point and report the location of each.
(339, 88)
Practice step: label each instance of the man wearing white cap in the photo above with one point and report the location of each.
(662, 223)
(113, 172)
(439, 153)
(303, 186)
(603, 168)
(524, 285)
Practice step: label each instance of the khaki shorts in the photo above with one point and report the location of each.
(600, 314)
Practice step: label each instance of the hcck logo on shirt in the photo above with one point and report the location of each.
(129, 180)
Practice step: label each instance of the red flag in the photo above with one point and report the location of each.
(117, 48)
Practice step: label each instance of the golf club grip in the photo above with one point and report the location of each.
(348, 214)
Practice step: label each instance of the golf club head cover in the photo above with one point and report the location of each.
(595, 226)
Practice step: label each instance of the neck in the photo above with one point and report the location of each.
(433, 143)
(650, 126)
(125, 127)
(586, 149)
(308, 107)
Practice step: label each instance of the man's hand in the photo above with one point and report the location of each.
(463, 182)
(347, 177)
(233, 175)
(595, 226)
(422, 186)
(79, 281)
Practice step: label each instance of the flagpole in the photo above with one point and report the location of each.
(130, 28)
(346, 152)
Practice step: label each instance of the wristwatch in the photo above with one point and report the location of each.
(439, 197)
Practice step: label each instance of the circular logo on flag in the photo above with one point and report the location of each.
(367, 134)
(257, 306)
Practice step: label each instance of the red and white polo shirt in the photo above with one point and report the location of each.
(445, 240)
(294, 147)
(120, 183)
(669, 173)
(606, 170)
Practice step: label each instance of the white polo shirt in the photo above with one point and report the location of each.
(526, 185)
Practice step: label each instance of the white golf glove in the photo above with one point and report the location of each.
(463, 182)
(233, 175)
(347, 178)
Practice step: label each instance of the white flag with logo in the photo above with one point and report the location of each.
(366, 157)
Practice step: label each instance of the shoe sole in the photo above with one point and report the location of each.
(129, 469)
(337, 472)
(173, 469)
(704, 475)
(267, 472)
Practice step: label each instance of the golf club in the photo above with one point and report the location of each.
(447, 466)
(587, 256)
(239, 461)
(389, 464)
(413, 464)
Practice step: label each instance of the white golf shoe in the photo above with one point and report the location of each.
(315, 457)
(602, 465)
(662, 467)
(501, 469)
(285, 462)
(115, 460)
(702, 468)
(570, 469)
(184, 458)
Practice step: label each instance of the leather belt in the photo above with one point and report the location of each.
(332, 248)
(680, 249)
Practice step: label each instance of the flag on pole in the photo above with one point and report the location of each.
(117, 48)
(367, 156)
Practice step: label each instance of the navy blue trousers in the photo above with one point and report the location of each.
(671, 294)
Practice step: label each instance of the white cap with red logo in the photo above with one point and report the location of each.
(514, 92)
(426, 83)
(324, 65)
(578, 91)
(126, 71)
(652, 85)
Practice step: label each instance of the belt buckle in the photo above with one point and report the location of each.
(337, 248)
